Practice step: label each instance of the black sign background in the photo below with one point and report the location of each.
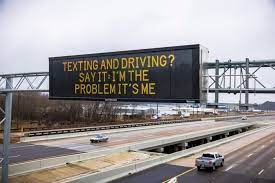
(175, 82)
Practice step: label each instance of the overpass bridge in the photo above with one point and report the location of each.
(238, 77)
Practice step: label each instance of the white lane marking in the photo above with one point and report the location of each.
(121, 140)
(263, 146)
(16, 156)
(274, 158)
(75, 147)
(261, 172)
(271, 141)
(250, 155)
(230, 167)
(22, 146)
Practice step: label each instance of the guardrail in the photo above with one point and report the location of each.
(98, 128)
(129, 125)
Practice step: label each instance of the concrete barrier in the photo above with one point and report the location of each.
(188, 137)
(30, 166)
(81, 134)
(97, 128)
(86, 131)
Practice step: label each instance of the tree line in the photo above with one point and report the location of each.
(37, 107)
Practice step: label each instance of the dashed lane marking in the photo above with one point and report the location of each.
(250, 155)
(181, 174)
(76, 147)
(261, 172)
(230, 167)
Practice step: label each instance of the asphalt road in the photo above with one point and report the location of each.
(252, 163)
(30, 151)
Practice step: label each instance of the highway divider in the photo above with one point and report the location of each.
(99, 128)
(86, 131)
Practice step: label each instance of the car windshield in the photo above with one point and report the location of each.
(208, 155)
(99, 136)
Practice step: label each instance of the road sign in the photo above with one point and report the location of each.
(160, 74)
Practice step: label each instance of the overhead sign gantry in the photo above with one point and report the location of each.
(162, 74)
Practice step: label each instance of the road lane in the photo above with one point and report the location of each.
(239, 167)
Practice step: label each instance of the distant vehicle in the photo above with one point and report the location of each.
(156, 117)
(99, 138)
(244, 118)
(210, 160)
(185, 115)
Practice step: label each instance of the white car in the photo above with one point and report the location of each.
(156, 117)
(244, 118)
(99, 138)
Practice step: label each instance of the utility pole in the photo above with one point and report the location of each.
(157, 111)
(6, 136)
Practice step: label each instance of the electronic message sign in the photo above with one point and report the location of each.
(161, 74)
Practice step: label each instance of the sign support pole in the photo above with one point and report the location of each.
(157, 111)
(6, 135)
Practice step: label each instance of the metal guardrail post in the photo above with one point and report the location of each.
(6, 136)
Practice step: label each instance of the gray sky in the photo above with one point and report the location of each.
(33, 30)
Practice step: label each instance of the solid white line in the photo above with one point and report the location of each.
(250, 155)
(22, 146)
(230, 167)
(75, 147)
(14, 156)
(261, 172)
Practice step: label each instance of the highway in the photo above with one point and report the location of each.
(252, 163)
(30, 151)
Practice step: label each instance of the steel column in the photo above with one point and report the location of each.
(6, 136)
(247, 83)
(217, 82)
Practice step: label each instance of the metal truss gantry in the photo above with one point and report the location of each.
(237, 77)
(9, 83)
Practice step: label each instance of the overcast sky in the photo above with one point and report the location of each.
(33, 30)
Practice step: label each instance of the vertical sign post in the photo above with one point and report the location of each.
(6, 136)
